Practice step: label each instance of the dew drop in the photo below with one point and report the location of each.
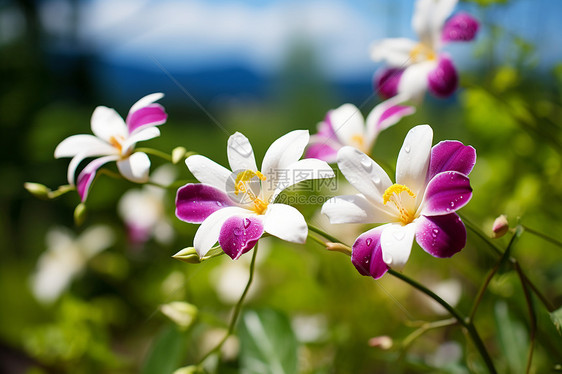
(398, 235)
(246, 222)
(376, 180)
(369, 241)
(366, 163)
(452, 204)
(237, 231)
(407, 148)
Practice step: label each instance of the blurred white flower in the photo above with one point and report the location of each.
(309, 328)
(450, 291)
(65, 258)
(143, 210)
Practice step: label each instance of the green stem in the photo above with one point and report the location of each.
(532, 317)
(324, 234)
(237, 309)
(426, 327)
(156, 153)
(468, 325)
(543, 236)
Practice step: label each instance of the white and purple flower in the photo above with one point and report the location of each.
(431, 184)
(236, 208)
(114, 140)
(346, 126)
(417, 66)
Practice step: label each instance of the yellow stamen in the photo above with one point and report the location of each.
(392, 194)
(260, 206)
(359, 140)
(243, 177)
(116, 143)
(422, 52)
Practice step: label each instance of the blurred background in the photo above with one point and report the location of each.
(262, 68)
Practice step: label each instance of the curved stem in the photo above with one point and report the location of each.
(543, 236)
(237, 309)
(324, 234)
(426, 327)
(156, 153)
(468, 325)
(532, 317)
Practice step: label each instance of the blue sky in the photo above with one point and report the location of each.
(193, 34)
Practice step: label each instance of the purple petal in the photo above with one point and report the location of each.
(386, 82)
(86, 177)
(461, 27)
(441, 236)
(443, 80)
(366, 254)
(451, 155)
(238, 235)
(322, 152)
(394, 114)
(196, 202)
(446, 193)
(325, 128)
(150, 115)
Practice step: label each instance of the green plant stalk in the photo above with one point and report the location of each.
(468, 325)
(532, 317)
(324, 234)
(237, 309)
(426, 327)
(542, 236)
(156, 153)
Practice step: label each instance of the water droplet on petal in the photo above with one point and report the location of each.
(247, 222)
(376, 180)
(369, 241)
(237, 231)
(366, 163)
(398, 235)
(407, 148)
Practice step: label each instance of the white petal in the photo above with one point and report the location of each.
(285, 222)
(81, 156)
(146, 134)
(372, 123)
(95, 239)
(348, 123)
(284, 151)
(354, 209)
(413, 159)
(309, 168)
(240, 153)
(413, 83)
(147, 100)
(364, 174)
(429, 18)
(107, 123)
(394, 51)
(208, 233)
(76, 144)
(135, 167)
(396, 243)
(207, 171)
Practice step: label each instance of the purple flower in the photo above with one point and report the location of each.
(236, 208)
(346, 126)
(431, 184)
(114, 140)
(418, 66)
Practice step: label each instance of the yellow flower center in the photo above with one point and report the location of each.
(399, 195)
(422, 52)
(358, 140)
(116, 143)
(240, 185)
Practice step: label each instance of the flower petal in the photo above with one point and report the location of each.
(441, 236)
(348, 124)
(86, 177)
(394, 51)
(366, 254)
(285, 222)
(413, 159)
(446, 193)
(413, 82)
(138, 136)
(461, 27)
(196, 202)
(364, 174)
(386, 82)
(77, 144)
(135, 167)
(451, 155)
(240, 153)
(283, 152)
(443, 80)
(88, 152)
(302, 170)
(396, 242)
(321, 151)
(429, 17)
(151, 115)
(208, 233)
(383, 116)
(238, 235)
(145, 101)
(207, 171)
(354, 209)
(107, 124)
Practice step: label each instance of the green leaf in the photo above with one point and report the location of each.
(512, 337)
(556, 318)
(268, 343)
(166, 352)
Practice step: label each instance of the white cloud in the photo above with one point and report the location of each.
(203, 32)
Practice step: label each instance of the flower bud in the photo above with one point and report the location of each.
(181, 313)
(38, 190)
(500, 227)
(178, 154)
(192, 369)
(188, 255)
(383, 342)
(80, 214)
